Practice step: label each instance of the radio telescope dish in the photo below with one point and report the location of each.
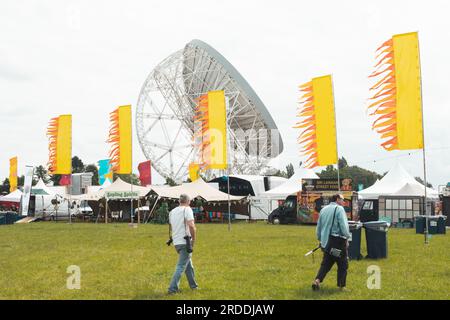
(165, 111)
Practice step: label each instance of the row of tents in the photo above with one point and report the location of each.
(262, 201)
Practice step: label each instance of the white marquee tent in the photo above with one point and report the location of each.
(291, 186)
(12, 197)
(397, 182)
(198, 188)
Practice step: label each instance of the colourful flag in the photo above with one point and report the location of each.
(194, 169)
(13, 174)
(145, 173)
(66, 180)
(318, 136)
(104, 171)
(397, 97)
(211, 130)
(121, 140)
(60, 145)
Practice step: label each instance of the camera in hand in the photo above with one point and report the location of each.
(188, 244)
(169, 242)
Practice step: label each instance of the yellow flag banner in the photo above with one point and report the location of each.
(211, 130)
(194, 169)
(121, 140)
(397, 100)
(317, 124)
(59, 133)
(13, 174)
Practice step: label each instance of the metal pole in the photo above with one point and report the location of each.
(228, 157)
(70, 199)
(229, 203)
(423, 149)
(132, 215)
(139, 211)
(106, 210)
(335, 135)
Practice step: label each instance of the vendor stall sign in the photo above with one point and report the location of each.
(327, 185)
(122, 194)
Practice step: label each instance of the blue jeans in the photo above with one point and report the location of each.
(184, 265)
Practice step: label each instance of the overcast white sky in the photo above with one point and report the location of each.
(88, 57)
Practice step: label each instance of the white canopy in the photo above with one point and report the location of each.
(416, 190)
(291, 186)
(12, 197)
(120, 189)
(198, 188)
(41, 186)
(397, 182)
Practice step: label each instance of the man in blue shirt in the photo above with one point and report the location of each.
(333, 217)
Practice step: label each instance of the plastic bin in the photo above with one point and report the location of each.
(436, 224)
(420, 224)
(376, 239)
(354, 248)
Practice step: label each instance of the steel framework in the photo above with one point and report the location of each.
(165, 110)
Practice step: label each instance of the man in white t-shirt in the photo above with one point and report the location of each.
(181, 224)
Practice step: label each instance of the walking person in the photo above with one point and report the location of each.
(333, 234)
(182, 229)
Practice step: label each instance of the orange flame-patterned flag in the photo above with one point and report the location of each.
(396, 103)
(317, 124)
(121, 140)
(13, 174)
(210, 129)
(59, 133)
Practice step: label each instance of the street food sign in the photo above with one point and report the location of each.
(121, 194)
(327, 185)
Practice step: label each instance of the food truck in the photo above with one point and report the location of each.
(304, 206)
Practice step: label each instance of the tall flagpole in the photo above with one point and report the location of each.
(70, 176)
(423, 147)
(228, 164)
(335, 134)
(70, 198)
(131, 173)
(229, 203)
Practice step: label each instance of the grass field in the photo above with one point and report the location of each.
(253, 261)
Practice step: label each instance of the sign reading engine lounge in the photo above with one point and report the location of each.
(122, 195)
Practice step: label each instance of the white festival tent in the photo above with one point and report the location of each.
(43, 200)
(291, 186)
(397, 182)
(119, 187)
(52, 190)
(198, 188)
(12, 197)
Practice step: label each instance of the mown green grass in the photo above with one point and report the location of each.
(253, 261)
